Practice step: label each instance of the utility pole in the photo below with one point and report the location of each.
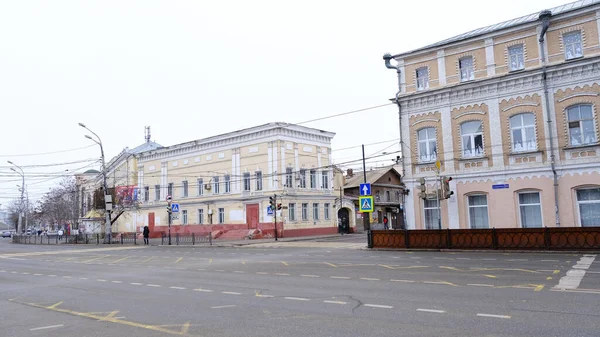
(274, 206)
(20, 228)
(169, 213)
(437, 192)
(107, 196)
(365, 215)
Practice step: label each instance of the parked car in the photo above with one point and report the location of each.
(6, 234)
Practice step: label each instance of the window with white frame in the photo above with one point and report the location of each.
(259, 181)
(184, 217)
(516, 57)
(530, 207)
(581, 125)
(588, 201)
(289, 178)
(170, 189)
(221, 215)
(427, 145)
(422, 78)
(292, 211)
(216, 185)
(302, 178)
(430, 210)
(472, 139)
(326, 211)
(156, 192)
(478, 211)
(465, 65)
(572, 45)
(304, 212)
(200, 183)
(184, 189)
(325, 180)
(200, 216)
(227, 179)
(522, 130)
(315, 211)
(246, 181)
(146, 193)
(313, 179)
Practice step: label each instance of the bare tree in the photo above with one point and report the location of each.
(60, 205)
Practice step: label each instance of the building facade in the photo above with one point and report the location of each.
(511, 112)
(224, 182)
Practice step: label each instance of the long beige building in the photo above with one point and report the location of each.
(224, 183)
(510, 111)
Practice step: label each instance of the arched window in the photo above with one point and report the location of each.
(581, 125)
(472, 139)
(588, 200)
(427, 145)
(522, 130)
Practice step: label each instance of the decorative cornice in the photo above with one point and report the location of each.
(579, 94)
(425, 120)
(469, 113)
(520, 104)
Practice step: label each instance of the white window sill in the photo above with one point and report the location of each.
(575, 147)
(518, 153)
(473, 158)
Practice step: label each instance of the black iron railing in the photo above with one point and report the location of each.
(186, 239)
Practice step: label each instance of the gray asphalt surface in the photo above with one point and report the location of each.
(322, 287)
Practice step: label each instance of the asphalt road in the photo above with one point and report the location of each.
(322, 287)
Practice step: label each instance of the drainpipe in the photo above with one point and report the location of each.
(388, 64)
(545, 17)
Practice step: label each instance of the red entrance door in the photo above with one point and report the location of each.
(252, 216)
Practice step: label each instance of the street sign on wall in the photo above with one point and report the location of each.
(499, 186)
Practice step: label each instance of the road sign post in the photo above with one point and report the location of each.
(365, 189)
(169, 200)
(365, 204)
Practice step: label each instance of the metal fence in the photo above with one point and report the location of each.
(186, 239)
(561, 238)
(120, 238)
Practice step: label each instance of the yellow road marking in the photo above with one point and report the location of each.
(119, 260)
(54, 305)
(488, 275)
(210, 261)
(94, 259)
(111, 319)
(330, 264)
(539, 287)
(110, 315)
(148, 259)
(185, 327)
(549, 278)
(179, 259)
(441, 282)
(386, 266)
(285, 263)
(69, 251)
(556, 271)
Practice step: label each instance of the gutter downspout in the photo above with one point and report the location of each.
(545, 17)
(388, 64)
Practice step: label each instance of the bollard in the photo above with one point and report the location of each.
(193, 239)
(210, 238)
(135, 238)
(369, 239)
(177, 239)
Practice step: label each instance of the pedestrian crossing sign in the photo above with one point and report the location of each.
(365, 204)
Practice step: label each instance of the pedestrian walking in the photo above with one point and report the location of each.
(60, 234)
(385, 223)
(146, 235)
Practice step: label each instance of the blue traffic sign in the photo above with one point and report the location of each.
(499, 186)
(174, 208)
(365, 189)
(269, 210)
(365, 204)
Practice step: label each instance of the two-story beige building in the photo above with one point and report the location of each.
(224, 183)
(511, 113)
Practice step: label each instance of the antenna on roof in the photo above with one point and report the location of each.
(147, 134)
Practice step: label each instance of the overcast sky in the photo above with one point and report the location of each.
(193, 69)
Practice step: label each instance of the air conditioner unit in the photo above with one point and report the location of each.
(207, 187)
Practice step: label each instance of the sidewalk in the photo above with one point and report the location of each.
(238, 243)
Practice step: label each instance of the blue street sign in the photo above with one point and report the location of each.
(499, 186)
(269, 210)
(174, 208)
(365, 204)
(365, 189)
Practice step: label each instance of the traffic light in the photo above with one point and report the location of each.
(279, 207)
(272, 202)
(446, 187)
(423, 189)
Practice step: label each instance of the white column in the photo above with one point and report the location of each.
(282, 169)
(447, 134)
(441, 60)
(163, 179)
(319, 166)
(495, 142)
(234, 178)
(405, 150)
(597, 24)
(270, 164)
(275, 177)
(238, 166)
(296, 165)
(402, 75)
(490, 61)
(453, 220)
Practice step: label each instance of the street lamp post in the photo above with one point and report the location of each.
(26, 204)
(20, 228)
(108, 225)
